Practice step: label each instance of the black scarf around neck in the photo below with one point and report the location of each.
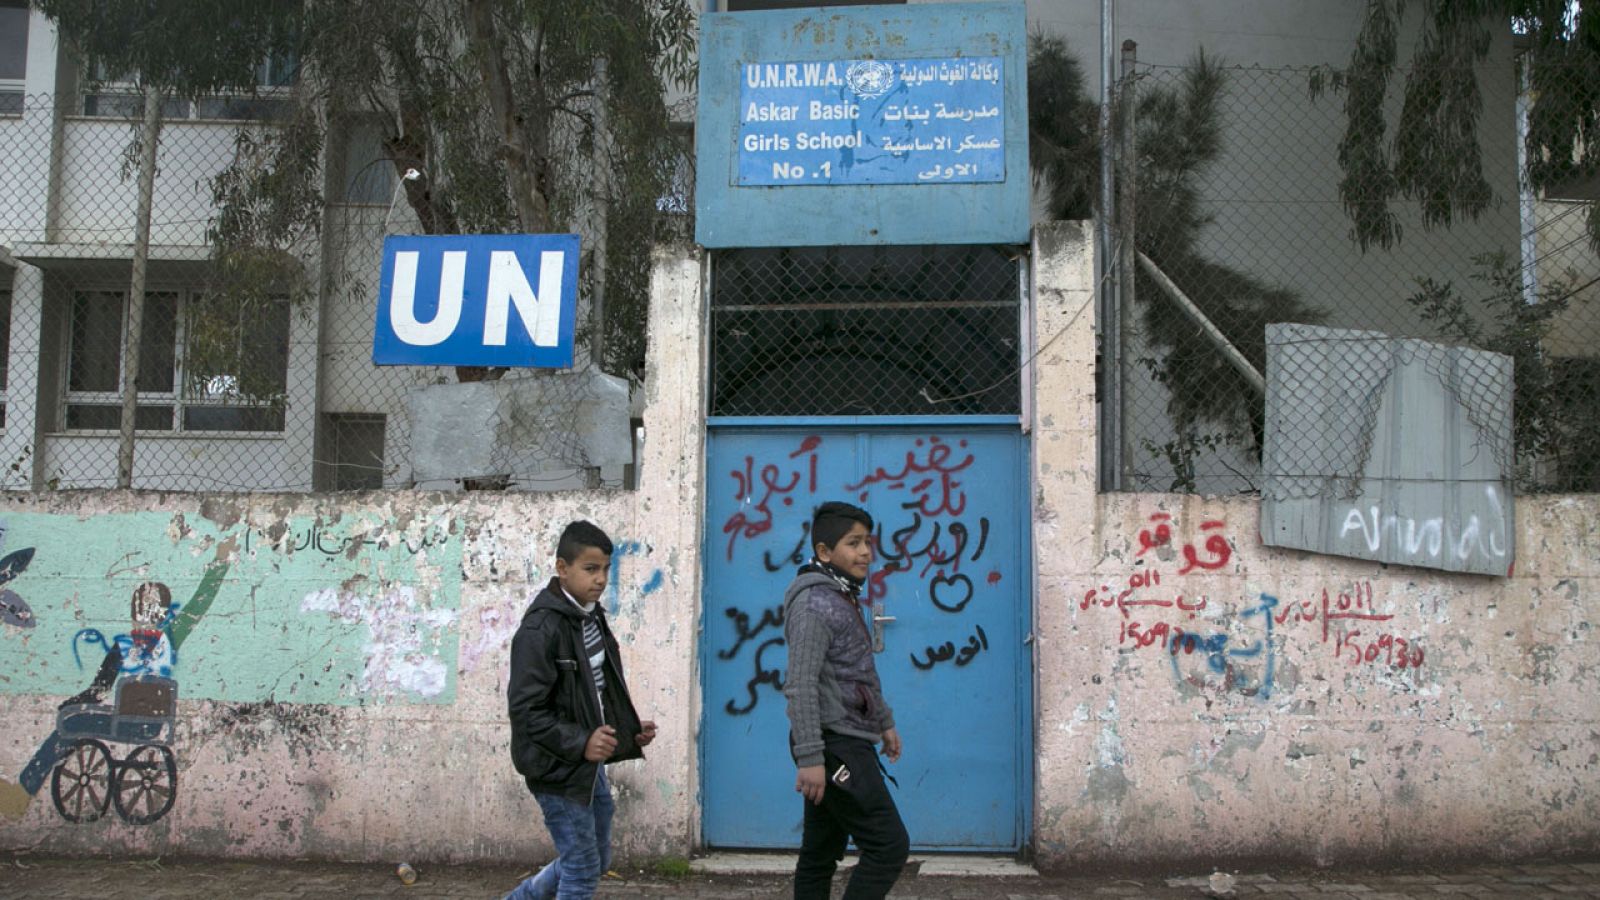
(849, 585)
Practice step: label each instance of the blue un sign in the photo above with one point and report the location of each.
(477, 300)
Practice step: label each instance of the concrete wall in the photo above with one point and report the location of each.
(1199, 696)
(1204, 696)
(341, 661)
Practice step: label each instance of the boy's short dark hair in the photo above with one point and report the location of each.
(834, 519)
(578, 535)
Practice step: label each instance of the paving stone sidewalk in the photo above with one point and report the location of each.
(30, 876)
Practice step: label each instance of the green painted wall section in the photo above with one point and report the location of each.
(329, 610)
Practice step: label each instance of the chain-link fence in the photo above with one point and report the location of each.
(254, 369)
(1242, 215)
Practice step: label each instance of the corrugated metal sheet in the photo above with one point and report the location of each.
(1388, 449)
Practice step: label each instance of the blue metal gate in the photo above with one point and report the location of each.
(951, 502)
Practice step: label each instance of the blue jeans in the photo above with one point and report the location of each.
(582, 835)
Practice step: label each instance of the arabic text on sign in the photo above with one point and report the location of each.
(871, 122)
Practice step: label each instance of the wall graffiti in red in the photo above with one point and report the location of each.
(1354, 605)
(774, 481)
(1177, 611)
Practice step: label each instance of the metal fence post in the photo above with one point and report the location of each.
(1110, 381)
(1127, 273)
(149, 133)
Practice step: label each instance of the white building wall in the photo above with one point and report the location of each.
(99, 186)
(1568, 260)
(19, 459)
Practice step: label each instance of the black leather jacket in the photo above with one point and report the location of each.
(552, 703)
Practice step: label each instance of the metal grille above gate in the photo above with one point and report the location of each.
(871, 330)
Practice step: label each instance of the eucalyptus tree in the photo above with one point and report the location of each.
(1180, 135)
(1431, 154)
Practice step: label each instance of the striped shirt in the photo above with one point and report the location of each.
(594, 647)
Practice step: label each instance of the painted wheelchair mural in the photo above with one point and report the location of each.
(89, 777)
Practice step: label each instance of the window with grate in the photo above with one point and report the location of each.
(924, 330)
(355, 451)
(246, 396)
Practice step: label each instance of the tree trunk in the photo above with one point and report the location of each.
(408, 149)
(524, 162)
(149, 138)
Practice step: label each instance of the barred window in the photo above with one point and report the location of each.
(117, 96)
(354, 460)
(13, 55)
(246, 398)
(917, 330)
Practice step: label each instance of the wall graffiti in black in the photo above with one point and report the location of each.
(796, 557)
(741, 624)
(949, 589)
(977, 643)
(762, 676)
(770, 618)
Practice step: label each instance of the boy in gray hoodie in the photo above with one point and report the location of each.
(837, 715)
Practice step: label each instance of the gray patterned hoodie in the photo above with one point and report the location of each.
(831, 683)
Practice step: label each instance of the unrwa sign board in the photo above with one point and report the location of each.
(849, 125)
(477, 300)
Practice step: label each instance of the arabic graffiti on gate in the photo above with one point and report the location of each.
(930, 536)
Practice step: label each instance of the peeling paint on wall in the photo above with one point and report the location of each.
(344, 609)
(386, 634)
(402, 651)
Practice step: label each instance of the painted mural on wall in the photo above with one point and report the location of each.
(1170, 603)
(305, 610)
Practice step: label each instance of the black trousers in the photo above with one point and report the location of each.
(858, 806)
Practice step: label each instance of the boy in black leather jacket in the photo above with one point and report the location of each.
(571, 714)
